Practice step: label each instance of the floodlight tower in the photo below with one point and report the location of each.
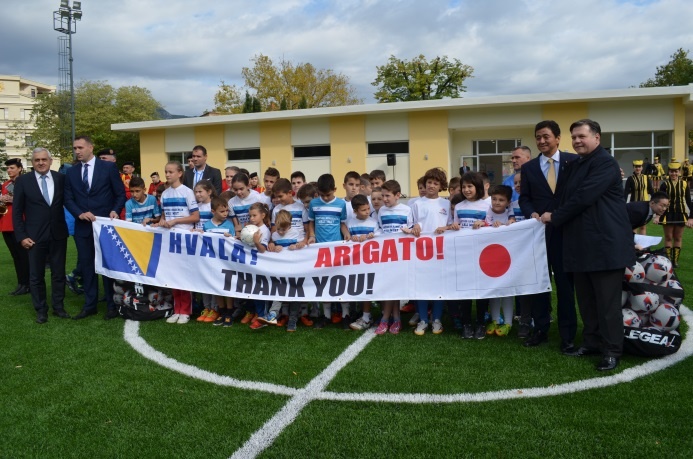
(65, 21)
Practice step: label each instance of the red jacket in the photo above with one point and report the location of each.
(6, 220)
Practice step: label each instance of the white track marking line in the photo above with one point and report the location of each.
(132, 337)
(265, 435)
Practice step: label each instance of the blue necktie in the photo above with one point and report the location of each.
(44, 190)
(85, 176)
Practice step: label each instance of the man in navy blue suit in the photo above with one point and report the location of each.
(543, 179)
(92, 189)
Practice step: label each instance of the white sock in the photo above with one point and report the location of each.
(367, 316)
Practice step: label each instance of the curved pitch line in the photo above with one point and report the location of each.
(131, 335)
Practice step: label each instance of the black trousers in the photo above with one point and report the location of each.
(599, 300)
(86, 255)
(52, 252)
(20, 257)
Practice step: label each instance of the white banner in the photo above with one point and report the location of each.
(465, 264)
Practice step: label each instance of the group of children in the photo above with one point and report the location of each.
(291, 214)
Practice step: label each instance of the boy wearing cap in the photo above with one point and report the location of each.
(156, 181)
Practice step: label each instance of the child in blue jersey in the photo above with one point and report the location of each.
(500, 214)
(473, 208)
(141, 207)
(299, 214)
(393, 218)
(204, 192)
(179, 209)
(352, 187)
(431, 214)
(327, 215)
(258, 215)
(239, 205)
(270, 178)
(515, 205)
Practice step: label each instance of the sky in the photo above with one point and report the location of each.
(181, 50)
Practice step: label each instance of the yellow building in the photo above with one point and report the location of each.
(636, 123)
(17, 99)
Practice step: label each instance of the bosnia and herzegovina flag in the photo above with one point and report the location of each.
(130, 251)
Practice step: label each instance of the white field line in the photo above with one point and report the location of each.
(265, 435)
(132, 337)
(627, 375)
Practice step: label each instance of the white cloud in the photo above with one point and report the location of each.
(180, 50)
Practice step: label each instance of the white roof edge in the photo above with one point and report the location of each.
(442, 104)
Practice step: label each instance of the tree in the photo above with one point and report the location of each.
(401, 80)
(677, 72)
(282, 85)
(97, 106)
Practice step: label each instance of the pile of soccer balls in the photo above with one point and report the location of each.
(648, 309)
(141, 297)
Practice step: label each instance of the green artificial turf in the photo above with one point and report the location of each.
(77, 389)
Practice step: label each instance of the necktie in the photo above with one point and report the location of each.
(551, 175)
(85, 175)
(44, 190)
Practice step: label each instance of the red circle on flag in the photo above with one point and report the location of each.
(494, 260)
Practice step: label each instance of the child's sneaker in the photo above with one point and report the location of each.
(173, 319)
(395, 327)
(360, 324)
(414, 319)
(480, 332)
(270, 318)
(321, 322)
(491, 328)
(291, 324)
(203, 315)
(211, 316)
(437, 327)
(408, 307)
(382, 328)
(282, 321)
(183, 319)
(336, 317)
(307, 321)
(503, 330)
(220, 320)
(421, 328)
(226, 321)
(249, 316)
(256, 324)
(457, 323)
(467, 331)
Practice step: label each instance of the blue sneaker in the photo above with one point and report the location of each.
(270, 318)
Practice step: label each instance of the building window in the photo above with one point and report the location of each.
(5, 112)
(28, 141)
(383, 148)
(180, 157)
(627, 147)
(33, 93)
(495, 147)
(312, 151)
(243, 154)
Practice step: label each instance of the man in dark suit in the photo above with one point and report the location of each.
(40, 228)
(598, 242)
(202, 171)
(92, 189)
(542, 182)
(640, 213)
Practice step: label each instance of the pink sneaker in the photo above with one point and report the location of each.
(382, 328)
(395, 327)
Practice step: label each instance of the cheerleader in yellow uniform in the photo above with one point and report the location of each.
(638, 187)
(678, 215)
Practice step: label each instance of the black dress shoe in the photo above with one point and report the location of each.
(61, 313)
(607, 363)
(111, 314)
(16, 289)
(584, 351)
(567, 348)
(41, 317)
(22, 290)
(536, 339)
(84, 314)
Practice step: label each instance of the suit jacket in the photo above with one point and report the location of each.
(32, 216)
(210, 173)
(596, 233)
(638, 211)
(535, 193)
(105, 195)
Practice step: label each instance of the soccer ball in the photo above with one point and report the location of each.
(247, 234)
(672, 283)
(658, 269)
(644, 319)
(644, 302)
(118, 288)
(666, 317)
(118, 299)
(635, 273)
(631, 318)
(153, 297)
(624, 298)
